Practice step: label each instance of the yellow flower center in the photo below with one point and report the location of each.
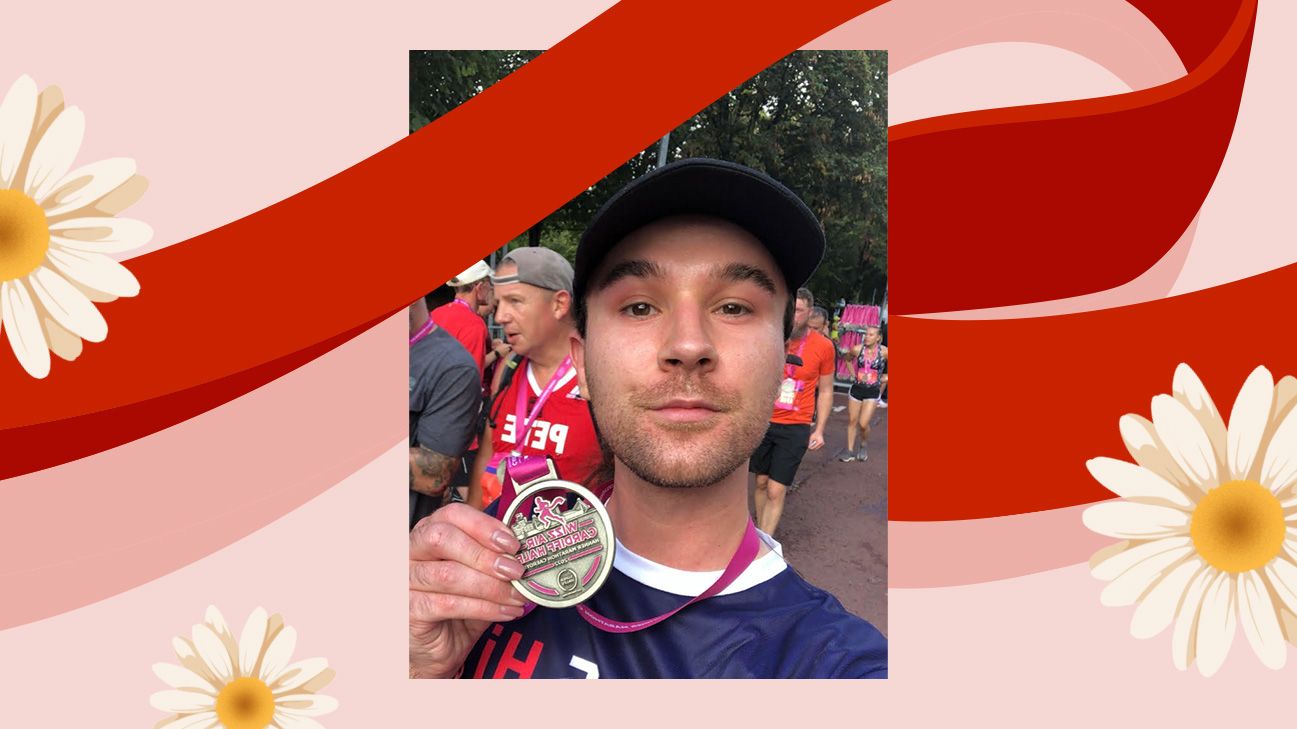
(245, 703)
(1238, 526)
(24, 235)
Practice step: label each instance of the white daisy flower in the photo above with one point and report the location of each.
(1209, 515)
(246, 683)
(57, 229)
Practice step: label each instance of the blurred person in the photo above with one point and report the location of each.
(539, 410)
(869, 376)
(819, 321)
(806, 387)
(460, 317)
(684, 282)
(445, 397)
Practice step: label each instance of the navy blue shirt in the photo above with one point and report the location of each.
(770, 623)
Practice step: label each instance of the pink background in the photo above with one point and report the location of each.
(293, 495)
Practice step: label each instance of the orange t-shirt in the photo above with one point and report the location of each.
(817, 361)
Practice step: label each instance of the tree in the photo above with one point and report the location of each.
(816, 121)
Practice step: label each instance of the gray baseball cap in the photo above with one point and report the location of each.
(540, 267)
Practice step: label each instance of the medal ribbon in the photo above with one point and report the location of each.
(528, 467)
(523, 421)
(743, 556)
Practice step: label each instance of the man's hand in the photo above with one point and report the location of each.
(461, 562)
(817, 440)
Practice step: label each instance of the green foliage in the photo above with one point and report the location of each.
(816, 121)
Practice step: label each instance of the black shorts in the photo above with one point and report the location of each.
(861, 392)
(781, 451)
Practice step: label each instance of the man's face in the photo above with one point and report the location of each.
(485, 297)
(527, 313)
(871, 336)
(684, 348)
(816, 322)
(801, 314)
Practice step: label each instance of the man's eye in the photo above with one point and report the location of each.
(638, 309)
(733, 309)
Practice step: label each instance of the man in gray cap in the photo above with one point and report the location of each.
(540, 412)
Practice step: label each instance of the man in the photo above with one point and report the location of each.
(684, 281)
(809, 370)
(445, 397)
(534, 306)
(460, 318)
(819, 321)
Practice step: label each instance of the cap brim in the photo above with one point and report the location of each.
(699, 186)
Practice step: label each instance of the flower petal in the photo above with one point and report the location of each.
(23, 328)
(17, 117)
(1157, 609)
(252, 641)
(296, 675)
(1256, 612)
(305, 704)
(1248, 421)
(100, 234)
(287, 721)
(1216, 624)
(1130, 585)
(1186, 441)
(1114, 565)
(278, 652)
(1184, 635)
(94, 270)
(1282, 576)
(202, 720)
(67, 306)
(62, 342)
(53, 155)
(86, 185)
(213, 653)
(1136, 482)
(182, 678)
(1148, 451)
(182, 702)
(1189, 390)
(1131, 520)
(1279, 466)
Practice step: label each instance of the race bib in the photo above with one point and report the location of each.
(787, 391)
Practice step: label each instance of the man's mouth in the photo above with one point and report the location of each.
(684, 410)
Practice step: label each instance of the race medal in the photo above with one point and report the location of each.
(787, 390)
(567, 542)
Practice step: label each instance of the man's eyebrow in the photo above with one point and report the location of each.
(746, 272)
(637, 268)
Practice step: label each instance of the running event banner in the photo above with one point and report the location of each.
(212, 218)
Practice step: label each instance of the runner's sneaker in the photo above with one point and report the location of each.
(847, 457)
(862, 455)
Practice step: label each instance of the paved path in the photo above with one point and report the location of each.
(834, 527)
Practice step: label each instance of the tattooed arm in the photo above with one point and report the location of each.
(430, 471)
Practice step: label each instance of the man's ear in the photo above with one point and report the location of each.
(562, 304)
(578, 361)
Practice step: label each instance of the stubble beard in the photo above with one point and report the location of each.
(717, 446)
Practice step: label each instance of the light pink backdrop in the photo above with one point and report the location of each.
(228, 110)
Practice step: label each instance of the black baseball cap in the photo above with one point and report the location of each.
(750, 199)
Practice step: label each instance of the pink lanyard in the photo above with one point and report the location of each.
(743, 556)
(790, 369)
(423, 331)
(522, 425)
(465, 304)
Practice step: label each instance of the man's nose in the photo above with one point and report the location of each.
(688, 344)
